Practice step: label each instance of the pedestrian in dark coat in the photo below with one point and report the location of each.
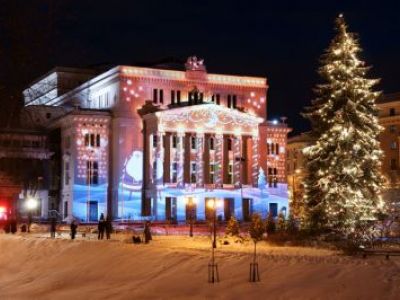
(101, 227)
(108, 226)
(53, 228)
(147, 232)
(73, 229)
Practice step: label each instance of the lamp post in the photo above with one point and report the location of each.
(31, 204)
(190, 208)
(213, 275)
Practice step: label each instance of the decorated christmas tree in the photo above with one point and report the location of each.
(232, 228)
(344, 181)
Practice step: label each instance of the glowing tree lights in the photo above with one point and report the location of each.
(344, 182)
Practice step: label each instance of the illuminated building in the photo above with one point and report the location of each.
(140, 142)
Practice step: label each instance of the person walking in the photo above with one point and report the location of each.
(101, 227)
(53, 227)
(108, 227)
(73, 229)
(147, 232)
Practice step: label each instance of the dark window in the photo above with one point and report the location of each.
(65, 209)
(92, 142)
(211, 143)
(393, 145)
(229, 208)
(193, 142)
(392, 111)
(393, 164)
(218, 98)
(48, 115)
(178, 97)
(174, 141)
(229, 144)
(234, 101)
(276, 149)
(154, 141)
(170, 209)
(172, 97)
(229, 101)
(92, 172)
(392, 128)
(87, 139)
(273, 209)
(247, 208)
(161, 96)
(98, 140)
(155, 95)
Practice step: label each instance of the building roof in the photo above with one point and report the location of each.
(387, 98)
(304, 137)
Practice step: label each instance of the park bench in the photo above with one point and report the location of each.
(380, 252)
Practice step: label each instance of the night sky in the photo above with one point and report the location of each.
(263, 38)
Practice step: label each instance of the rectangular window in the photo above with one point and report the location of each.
(393, 145)
(154, 141)
(234, 101)
(155, 95)
(229, 144)
(230, 173)
(229, 100)
(277, 149)
(273, 209)
(193, 142)
(229, 208)
(92, 172)
(392, 111)
(218, 98)
(174, 141)
(247, 208)
(87, 139)
(392, 128)
(92, 141)
(170, 209)
(393, 164)
(66, 173)
(174, 172)
(193, 172)
(212, 173)
(98, 140)
(211, 143)
(178, 96)
(161, 96)
(172, 97)
(65, 209)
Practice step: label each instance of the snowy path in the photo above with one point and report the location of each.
(176, 268)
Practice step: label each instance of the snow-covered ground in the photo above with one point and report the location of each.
(36, 267)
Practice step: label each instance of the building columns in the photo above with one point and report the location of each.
(237, 161)
(181, 159)
(199, 159)
(218, 159)
(254, 161)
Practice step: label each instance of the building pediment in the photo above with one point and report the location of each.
(207, 118)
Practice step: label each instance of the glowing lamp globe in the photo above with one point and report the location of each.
(31, 203)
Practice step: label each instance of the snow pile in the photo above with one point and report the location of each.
(176, 268)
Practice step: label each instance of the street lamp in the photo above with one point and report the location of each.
(190, 207)
(31, 204)
(213, 275)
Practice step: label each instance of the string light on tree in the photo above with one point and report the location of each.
(344, 182)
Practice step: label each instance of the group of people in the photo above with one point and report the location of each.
(104, 226)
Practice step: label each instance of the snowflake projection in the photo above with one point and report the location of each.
(255, 101)
(129, 92)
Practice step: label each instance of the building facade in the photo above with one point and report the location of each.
(149, 142)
